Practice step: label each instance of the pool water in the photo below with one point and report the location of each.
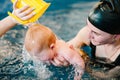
(63, 16)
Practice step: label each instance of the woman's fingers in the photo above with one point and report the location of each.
(15, 4)
(26, 12)
(20, 10)
(28, 16)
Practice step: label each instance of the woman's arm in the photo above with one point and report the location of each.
(6, 24)
(23, 13)
(81, 38)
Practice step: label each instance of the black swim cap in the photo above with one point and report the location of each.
(106, 16)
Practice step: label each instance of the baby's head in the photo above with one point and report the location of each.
(39, 41)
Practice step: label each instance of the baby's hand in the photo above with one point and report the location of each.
(59, 61)
(23, 13)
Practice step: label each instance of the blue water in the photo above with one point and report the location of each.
(65, 18)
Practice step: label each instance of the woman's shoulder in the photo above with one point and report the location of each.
(85, 30)
(83, 35)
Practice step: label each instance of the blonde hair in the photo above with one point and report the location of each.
(38, 37)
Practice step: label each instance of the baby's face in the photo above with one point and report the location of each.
(45, 55)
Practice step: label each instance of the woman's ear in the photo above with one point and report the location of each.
(52, 46)
(116, 37)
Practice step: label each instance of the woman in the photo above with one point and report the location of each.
(102, 33)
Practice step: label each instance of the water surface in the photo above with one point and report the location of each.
(65, 18)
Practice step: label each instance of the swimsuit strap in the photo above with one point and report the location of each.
(117, 61)
(93, 50)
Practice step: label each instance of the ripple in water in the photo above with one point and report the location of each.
(14, 66)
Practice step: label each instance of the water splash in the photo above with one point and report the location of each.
(42, 71)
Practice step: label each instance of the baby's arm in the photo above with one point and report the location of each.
(8, 22)
(77, 61)
(72, 56)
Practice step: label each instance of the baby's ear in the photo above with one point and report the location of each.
(52, 46)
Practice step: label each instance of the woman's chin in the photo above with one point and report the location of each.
(95, 43)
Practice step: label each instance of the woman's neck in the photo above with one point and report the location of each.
(112, 50)
(114, 44)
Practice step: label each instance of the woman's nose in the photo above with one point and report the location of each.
(91, 35)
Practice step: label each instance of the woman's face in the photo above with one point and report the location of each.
(98, 37)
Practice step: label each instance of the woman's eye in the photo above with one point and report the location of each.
(96, 33)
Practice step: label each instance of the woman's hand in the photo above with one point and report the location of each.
(23, 13)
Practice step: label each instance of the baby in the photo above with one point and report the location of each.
(41, 43)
